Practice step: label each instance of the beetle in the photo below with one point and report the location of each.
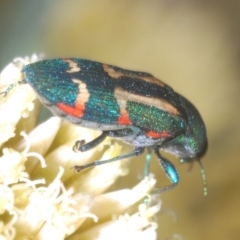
(131, 106)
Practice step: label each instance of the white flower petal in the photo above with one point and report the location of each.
(136, 227)
(119, 201)
(17, 101)
(12, 166)
(53, 211)
(42, 136)
(6, 198)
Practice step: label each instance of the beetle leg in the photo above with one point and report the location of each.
(136, 152)
(147, 162)
(169, 170)
(81, 146)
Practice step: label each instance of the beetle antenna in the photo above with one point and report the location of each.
(205, 189)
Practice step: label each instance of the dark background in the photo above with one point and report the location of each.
(193, 46)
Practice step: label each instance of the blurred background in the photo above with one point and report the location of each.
(193, 46)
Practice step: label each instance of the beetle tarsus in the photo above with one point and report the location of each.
(81, 146)
(78, 144)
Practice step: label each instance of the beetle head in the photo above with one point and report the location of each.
(193, 143)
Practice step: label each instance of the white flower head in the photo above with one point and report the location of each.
(15, 102)
(40, 195)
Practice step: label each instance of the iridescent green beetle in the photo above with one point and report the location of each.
(134, 107)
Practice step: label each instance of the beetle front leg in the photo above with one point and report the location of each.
(169, 170)
(81, 146)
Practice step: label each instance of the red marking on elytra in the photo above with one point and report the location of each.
(77, 111)
(124, 119)
(163, 134)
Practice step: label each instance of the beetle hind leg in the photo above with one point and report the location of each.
(136, 152)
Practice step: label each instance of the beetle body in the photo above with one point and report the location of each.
(134, 107)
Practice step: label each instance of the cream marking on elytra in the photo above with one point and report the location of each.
(115, 74)
(83, 95)
(73, 66)
(123, 96)
(122, 103)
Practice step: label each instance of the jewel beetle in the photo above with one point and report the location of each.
(132, 106)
